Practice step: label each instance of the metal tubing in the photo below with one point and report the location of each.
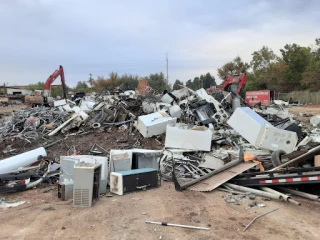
(258, 217)
(301, 194)
(55, 131)
(40, 180)
(177, 225)
(283, 196)
(231, 191)
(255, 191)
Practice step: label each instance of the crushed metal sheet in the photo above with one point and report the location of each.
(216, 180)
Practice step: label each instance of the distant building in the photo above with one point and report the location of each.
(19, 87)
(16, 91)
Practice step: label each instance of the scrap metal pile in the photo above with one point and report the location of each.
(206, 144)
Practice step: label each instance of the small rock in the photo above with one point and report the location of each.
(63, 228)
(252, 204)
(209, 225)
(252, 196)
(144, 213)
(109, 195)
(160, 237)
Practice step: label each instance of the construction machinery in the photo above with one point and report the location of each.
(50, 80)
(35, 99)
(230, 91)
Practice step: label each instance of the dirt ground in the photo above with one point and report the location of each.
(44, 216)
(10, 108)
(304, 113)
(314, 110)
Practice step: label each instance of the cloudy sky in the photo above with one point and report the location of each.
(100, 36)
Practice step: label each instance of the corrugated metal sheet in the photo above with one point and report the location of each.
(216, 180)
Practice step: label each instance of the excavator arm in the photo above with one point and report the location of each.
(240, 81)
(50, 80)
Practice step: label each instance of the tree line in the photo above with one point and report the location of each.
(128, 82)
(296, 69)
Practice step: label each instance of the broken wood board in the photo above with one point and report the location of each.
(220, 178)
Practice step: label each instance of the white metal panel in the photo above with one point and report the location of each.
(120, 160)
(116, 183)
(185, 136)
(59, 103)
(154, 123)
(247, 123)
(167, 98)
(275, 139)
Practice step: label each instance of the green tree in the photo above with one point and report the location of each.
(311, 75)
(236, 66)
(177, 84)
(82, 86)
(37, 86)
(128, 82)
(157, 81)
(197, 84)
(189, 84)
(208, 81)
(267, 68)
(262, 59)
(297, 59)
(57, 91)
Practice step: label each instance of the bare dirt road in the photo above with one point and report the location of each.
(123, 217)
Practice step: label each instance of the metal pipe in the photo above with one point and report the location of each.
(62, 125)
(177, 225)
(296, 160)
(21, 160)
(255, 191)
(258, 217)
(231, 191)
(281, 195)
(40, 180)
(301, 194)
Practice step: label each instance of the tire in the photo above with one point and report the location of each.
(276, 157)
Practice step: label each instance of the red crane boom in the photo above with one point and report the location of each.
(50, 80)
(239, 83)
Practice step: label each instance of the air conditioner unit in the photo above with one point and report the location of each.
(65, 190)
(133, 180)
(67, 163)
(86, 182)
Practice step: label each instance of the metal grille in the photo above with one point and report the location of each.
(81, 198)
(216, 180)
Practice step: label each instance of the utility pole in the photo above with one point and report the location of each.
(90, 80)
(167, 70)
